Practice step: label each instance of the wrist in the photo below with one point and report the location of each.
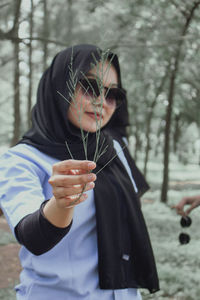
(58, 216)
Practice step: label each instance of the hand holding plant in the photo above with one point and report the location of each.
(69, 181)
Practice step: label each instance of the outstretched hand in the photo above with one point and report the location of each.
(70, 179)
(192, 202)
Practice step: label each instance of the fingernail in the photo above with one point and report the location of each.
(91, 165)
(91, 185)
(91, 176)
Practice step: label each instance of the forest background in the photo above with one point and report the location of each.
(158, 45)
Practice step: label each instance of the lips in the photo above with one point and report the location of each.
(94, 116)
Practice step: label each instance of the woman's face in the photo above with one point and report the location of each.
(88, 110)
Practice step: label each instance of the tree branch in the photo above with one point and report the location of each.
(4, 4)
(148, 44)
(4, 61)
(13, 38)
(5, 35)
(16, 17)
(184, 12)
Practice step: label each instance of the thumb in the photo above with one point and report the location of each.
(192, 206)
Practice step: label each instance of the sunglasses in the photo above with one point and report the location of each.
(184, 238)
(114, 96)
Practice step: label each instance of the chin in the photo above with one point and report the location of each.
(90, 129)
(90, 126)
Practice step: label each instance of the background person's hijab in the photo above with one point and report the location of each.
(121, 230)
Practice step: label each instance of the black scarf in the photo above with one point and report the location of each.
(124, 249)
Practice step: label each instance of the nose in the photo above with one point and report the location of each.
(100, 100)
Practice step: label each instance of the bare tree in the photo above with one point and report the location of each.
(150, 118)
(188, 15)
(16, 83)
(30, 76)
(70, 21)
(45, 34)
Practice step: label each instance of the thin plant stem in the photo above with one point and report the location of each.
(72, 86)
(100, 149)
(111, 159)
(69, 150)
(76, 200)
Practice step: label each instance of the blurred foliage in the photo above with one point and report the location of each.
(145, 34)
(6, 237)
(7, 294)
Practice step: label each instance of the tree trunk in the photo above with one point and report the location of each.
(135, 131)
(159, 139)
(147, 149)
(30, 76)
(137, 144)
(170, 103)
(16, 99)
(199, 150)
(16, 83)
(176, 133)
(150, 118)
(69, 22)
(45, 34)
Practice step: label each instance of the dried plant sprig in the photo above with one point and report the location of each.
(69, 150)
(99, 151)
(72, 86)
(84, 137)
(111, 159)
(99, 80)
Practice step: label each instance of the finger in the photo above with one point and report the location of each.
(173, 207)
(77, 172)
(71, 201)
(69, 180)
(192, 206)
(180, 212)
(188, 211)
(70, 164)
(180, 207)
(181, 204)
(61, 192)
(73, 172)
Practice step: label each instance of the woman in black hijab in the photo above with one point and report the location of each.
(75, 248)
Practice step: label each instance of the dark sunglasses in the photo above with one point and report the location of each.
(184, 238)
(113, 96)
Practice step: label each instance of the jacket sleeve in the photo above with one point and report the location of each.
(37, 234)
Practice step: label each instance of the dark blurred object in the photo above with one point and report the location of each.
(185, 221)
(184, 238)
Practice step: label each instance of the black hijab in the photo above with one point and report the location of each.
(124, 249)
(50, 126)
